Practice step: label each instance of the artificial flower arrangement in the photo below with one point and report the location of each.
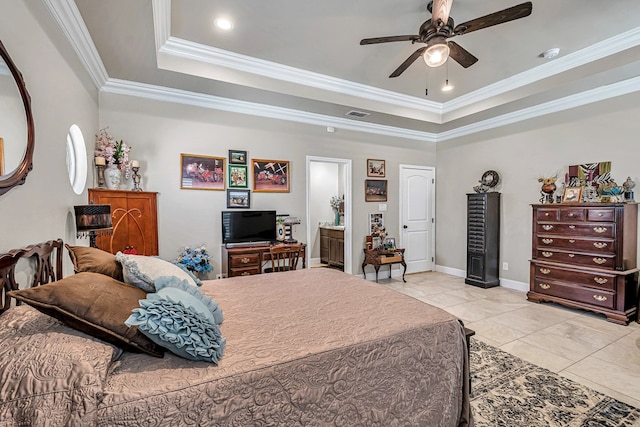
(195, 260)
(114, 152)
(336, 202)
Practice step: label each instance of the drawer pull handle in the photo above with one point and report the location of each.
(600, 245)
(571, 255)
(600, 280)
(600, 298)
(600, 214)
(571, 241)
(547, 227)
(599, 260)
(245, 273)
(600, 229)
(572, 227)
(571, 215)
(547, 254)
(547, 241)
(544, 286)
(245, 260)
(545, 271)
(546, 214)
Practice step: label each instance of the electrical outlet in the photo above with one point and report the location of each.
(505, 266)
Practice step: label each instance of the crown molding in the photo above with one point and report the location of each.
(67, 15)
(161, 21)
(164, 94)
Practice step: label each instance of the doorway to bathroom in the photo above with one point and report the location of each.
(329, 232)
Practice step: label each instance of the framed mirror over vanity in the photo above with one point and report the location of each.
(17, 137)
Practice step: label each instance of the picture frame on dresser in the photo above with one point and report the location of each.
(572, 194)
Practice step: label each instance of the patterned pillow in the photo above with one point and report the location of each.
(141, 271)
(181, 319)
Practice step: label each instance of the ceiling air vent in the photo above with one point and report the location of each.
(358, 114)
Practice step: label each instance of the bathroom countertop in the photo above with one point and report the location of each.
(333, 227)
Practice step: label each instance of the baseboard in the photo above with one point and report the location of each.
(505, 283)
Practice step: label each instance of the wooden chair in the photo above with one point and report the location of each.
(284, 257)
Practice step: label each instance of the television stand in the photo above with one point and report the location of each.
(247, 260)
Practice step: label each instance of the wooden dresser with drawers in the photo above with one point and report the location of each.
(584, 256)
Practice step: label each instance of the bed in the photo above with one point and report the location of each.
(309, 347)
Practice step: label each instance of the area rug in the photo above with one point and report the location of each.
(508, 391)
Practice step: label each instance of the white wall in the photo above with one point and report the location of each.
(521, 154)
(42, 208)
(158, 132)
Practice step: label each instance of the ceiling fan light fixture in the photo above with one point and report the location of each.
(437, 53)
(447, 87)
(223, 23)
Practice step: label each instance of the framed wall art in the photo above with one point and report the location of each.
(202, 172)
(237, 157)
(238, 199)
(375, 168)
(270, 176)
(375, 190)
(238, 176)
(376, 223)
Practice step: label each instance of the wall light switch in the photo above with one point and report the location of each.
(382, 207)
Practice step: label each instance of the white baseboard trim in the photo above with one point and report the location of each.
(506, 283)
(313, 261)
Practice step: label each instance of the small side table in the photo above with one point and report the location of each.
(384, 257)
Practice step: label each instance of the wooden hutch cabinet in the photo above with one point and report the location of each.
(584, 256)
(483, 239)
(135, 220)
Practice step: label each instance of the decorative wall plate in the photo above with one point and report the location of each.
(490, 179)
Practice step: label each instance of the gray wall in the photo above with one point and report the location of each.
(158, 132)
(521, 154)
(61, 95)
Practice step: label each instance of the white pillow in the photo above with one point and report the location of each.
(141, 271)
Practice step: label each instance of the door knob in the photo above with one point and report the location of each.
(404, 226)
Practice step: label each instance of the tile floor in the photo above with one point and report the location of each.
(576, 344)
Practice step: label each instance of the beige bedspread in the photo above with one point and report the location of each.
(311, 347)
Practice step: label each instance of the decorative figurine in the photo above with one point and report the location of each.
(611, 192)
(547, 189)
(628, 189)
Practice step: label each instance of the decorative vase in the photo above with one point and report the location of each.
(112, 177)
(337, 221)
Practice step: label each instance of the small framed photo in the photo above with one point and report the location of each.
(390, 243)
(238, 176)
(202, 172)
(375, 190)
(376, 224)
(237, 157)
(572, 194)
(238, 199)
(270, 176)
(375, 168)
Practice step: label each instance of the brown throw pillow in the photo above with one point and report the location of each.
(95, 304)
(85, 258)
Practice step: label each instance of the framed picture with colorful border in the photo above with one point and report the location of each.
(238, 176)
(237, 157)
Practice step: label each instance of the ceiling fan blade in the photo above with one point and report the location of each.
(461, 55)
(440, 10)
(387, 39)
(506, 15)
(410, 60)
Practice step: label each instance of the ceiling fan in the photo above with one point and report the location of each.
(435, 32)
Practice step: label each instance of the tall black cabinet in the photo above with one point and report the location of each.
(483, 239)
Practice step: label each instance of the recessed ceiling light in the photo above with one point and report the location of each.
(550, 53)
(223, 24)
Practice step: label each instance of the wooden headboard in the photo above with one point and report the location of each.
(47, 263)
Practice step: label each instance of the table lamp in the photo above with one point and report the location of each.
(92, 221)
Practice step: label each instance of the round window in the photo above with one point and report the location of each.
(76, 159)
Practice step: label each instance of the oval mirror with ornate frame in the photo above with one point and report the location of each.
(15, 173)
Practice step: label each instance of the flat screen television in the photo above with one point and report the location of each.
(248, 226)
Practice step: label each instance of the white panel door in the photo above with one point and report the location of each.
(417, 185)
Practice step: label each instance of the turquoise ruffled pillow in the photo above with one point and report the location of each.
(181, 319)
